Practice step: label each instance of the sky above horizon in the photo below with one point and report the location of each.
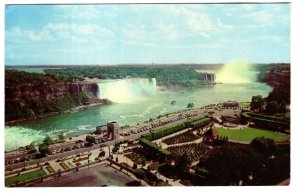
(150, 33)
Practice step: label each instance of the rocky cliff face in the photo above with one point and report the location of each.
(30, 100)
(29, 91)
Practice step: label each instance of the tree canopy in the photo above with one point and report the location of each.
(264, 145)
(257, 103)
(230, 165)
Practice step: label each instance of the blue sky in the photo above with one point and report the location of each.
(119, 34)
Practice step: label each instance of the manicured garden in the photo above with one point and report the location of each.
(248, 134)
(193, 151)
(24, 177)
(164, 131)
(136, 157)
(50, 169)
(187, 136)
(64, 166)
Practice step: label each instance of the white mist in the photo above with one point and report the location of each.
(236, 72)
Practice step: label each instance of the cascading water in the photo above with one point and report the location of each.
(126, 90)
(236, 72)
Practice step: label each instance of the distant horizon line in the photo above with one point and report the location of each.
(136, 64)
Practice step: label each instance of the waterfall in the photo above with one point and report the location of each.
(236, 72)
(126, 90)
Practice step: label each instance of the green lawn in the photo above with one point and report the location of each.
(23, 177)
(248, 134)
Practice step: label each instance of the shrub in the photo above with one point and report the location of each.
(134, 166)
(146, 143)
(140, 173)
(101, 154)
(90, 139)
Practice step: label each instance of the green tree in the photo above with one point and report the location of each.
(140, 173)
(48, 140)
(230, 164)
(30, 146)
(101, 154)
(264, 145)
(272, 107)
(61, 136)
(43, 148)
(115, 149)
(257, 103)
(190, 105)
(90, 139)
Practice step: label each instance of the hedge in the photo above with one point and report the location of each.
(270, 118)
(197, 122)
(200, 123)
(197, 119)
(146, 143)
(267, 120)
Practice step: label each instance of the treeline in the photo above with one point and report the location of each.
(15, 77)
(164, 75)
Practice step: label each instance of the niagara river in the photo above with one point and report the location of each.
(135, 101)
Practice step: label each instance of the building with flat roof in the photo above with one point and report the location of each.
(113, 130)
(229, 103)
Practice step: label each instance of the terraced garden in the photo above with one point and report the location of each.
(193, 151)
(187, 136)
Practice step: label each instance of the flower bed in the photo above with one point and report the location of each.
(64, 166)
(181, 138)
(80, 159)
(78, 164)
(50, 169)
(136, 157)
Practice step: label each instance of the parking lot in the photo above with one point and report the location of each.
(96, 176)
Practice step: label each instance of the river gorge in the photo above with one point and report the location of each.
(134, 101)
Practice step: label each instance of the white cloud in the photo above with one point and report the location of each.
(169, 31)
(16, 33)
(83, 11)
(222, 26)
(83, 29)
(196, 19)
